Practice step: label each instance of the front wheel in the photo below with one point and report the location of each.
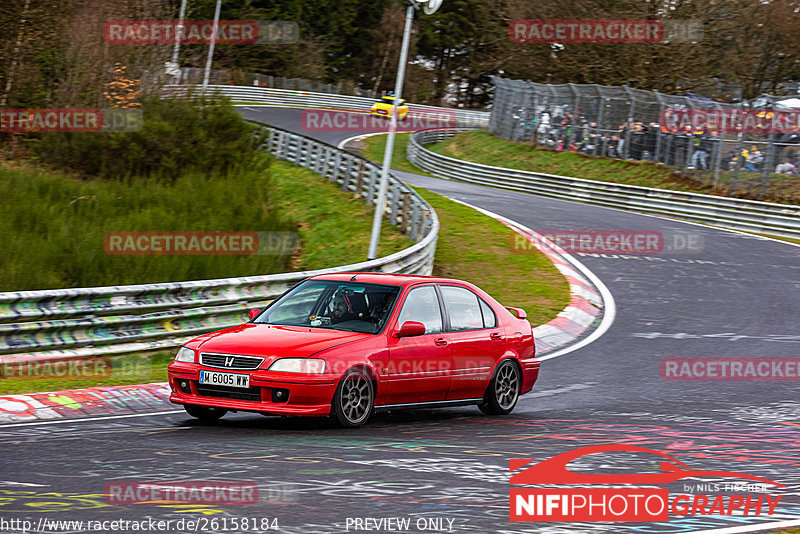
(204, 413)
(503, 391)
(354, 399)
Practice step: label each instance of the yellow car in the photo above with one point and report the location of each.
(384, 107)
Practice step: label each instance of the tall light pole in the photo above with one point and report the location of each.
(429, 7)
(211, 46)
(173, 67)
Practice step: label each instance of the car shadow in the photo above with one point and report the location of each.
(383, 420)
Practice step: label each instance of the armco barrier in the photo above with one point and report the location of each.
(284, 97)
(737, 214)
(64, 323)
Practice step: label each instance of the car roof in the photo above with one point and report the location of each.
(387, 278)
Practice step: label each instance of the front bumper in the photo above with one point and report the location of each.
(309, 395)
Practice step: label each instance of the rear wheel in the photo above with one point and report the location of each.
(354, 399)
(503, 391)
(204, 413)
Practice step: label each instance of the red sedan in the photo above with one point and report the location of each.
(351, 344)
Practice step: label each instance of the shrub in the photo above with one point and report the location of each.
(199, 135)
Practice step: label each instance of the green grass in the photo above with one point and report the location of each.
(374, 146)
(53, 226)
(334, 226)
(480, 146)
(477, 248)
(124, 369)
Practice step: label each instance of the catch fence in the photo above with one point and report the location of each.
(633, 124)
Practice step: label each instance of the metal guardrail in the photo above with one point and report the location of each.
(284, 97)
(64, 323)
(737, 214)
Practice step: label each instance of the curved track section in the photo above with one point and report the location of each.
(739, 296)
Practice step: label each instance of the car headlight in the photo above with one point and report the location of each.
(185, 355)
(298, 365)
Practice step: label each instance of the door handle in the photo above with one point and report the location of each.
(495, 336)
(440, 341)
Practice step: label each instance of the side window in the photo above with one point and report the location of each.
(463, 308)
(489, 318)
(422, 306)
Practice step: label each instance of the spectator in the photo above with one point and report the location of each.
(785, 168)
(754, 159)
(591, 144)
(744, 157)
(637, 141)
(733, 159)
(700, 154)
(612, 150)
(646, 155)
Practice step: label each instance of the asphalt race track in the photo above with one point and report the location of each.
(735, 296)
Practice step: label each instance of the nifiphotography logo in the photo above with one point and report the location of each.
(628, 497)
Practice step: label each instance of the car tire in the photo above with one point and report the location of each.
(354, 400)
(204, 413)
(503, 392)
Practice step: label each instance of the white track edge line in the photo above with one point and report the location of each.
(609, 305)
(3, 426)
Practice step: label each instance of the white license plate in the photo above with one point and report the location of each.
(233, 380)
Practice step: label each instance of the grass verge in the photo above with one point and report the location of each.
(477, 248)
(480, 146)
(334, 226)
(54, 226)
(374, 146)
(122, 370)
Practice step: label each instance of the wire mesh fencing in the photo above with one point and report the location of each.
(707, 142)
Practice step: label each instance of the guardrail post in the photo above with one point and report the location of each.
(359, 178)
(416, 221)
(394, 205)
(348, 174)
(337, 164)
(325, 163)
(374, 176)
(404, 223)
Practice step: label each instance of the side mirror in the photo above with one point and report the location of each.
(410, 329)
(518, 312)
(252, 313)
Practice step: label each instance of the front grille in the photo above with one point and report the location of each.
(230, 361)
(223, 392)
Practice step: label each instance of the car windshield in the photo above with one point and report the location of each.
(390, 100)
(349, 306)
